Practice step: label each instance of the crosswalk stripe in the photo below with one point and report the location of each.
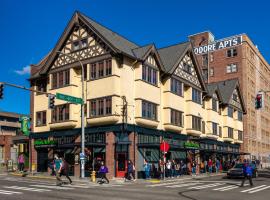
(52, 187)
(231, 187)
(254, 188)
(9, 192)
(27, 189)
(182, 185)
(264, 188)
(206, 186)
(164, 184)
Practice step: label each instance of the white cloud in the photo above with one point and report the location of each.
(23, 71)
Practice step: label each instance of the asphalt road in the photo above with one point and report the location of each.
(210, 188)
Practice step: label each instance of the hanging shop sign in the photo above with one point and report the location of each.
(219, 44)
(25, 124)
(45, 143)
(192, 145)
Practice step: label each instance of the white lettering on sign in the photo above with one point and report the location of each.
(217, 45)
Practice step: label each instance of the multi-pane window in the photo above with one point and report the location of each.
(101, 107)
(220, 131)
(240, 116)
(149, 74)
(85, 72)
(205, 74)
(176, 118)
(187, 68)
(231, 68)
(203, 127)
(101, 69)
(60, 79)
(41, 86)
(60, 113)
(211, 72)
(204, 60)
(230, 132)
(149, 110)
(196, 123)
(240, 135)
(215, 128)
(214, 104)
(176, 86)
(79, 44)
(41, 118)
(230, 111)
(196, 96)
(232, 52)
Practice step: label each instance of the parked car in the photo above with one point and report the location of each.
(237, 171)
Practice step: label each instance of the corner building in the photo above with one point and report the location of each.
(245, 62)
(135, 97)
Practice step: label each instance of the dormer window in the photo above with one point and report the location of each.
(76, 45)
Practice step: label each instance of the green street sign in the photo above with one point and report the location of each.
(68, 98)
(45, 142)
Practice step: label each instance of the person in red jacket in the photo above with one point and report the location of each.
(210, 165)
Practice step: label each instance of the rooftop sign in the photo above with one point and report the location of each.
(218, 45)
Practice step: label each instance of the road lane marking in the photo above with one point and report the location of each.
(9, 192)
(230, 187)
(53, 187)
(254, 188)
(264, 188)
(182, 185)
(27, 189)
(206, 186)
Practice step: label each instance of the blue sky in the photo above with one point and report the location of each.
(30, 29)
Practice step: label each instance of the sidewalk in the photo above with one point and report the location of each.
(87, 180)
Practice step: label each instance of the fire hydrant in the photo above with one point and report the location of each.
(93, 176)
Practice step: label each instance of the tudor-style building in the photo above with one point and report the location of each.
(135, 98)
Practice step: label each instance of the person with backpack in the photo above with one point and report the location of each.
(103, 170)
(130, 171)
(247, 170)
(65, 170)
(58, 169)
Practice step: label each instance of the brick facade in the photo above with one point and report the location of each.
(252, 71)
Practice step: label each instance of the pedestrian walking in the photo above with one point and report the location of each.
(205, 165)
(210, 165)
(202, 167)
(169, 168)
(130, 171)
(153, 171)
(217, 165)
(21, 161)
(65, 170)
(247, 170)
(58, 169)
(103, 170)
(146, 167)
(193, 168)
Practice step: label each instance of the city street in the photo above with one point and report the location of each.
(183, 188)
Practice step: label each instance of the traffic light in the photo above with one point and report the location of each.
(51, 101)
(1, 91)
(259, 100)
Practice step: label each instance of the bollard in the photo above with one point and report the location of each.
(93, 176)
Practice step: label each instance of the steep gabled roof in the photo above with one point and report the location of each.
(226, 89)
(170, 55)
(140, 52)
(119, 42)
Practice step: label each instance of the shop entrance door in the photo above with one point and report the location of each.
(121, 164)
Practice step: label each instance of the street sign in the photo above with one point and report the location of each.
(68, 98)
(164, 147)
(82, 156)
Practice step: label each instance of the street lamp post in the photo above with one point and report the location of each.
(82, 116)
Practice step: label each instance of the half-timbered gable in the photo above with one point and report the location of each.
(235, 99)
(81, 44)
(179, 61)
(186, 70)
